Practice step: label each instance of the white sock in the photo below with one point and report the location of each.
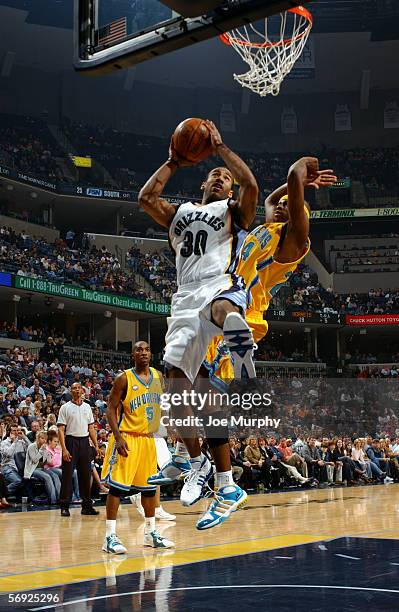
(224, 478)
(181, 450)
(110, 527)
(196, 461)
(149, 524)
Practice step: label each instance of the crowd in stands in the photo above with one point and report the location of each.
(26, 144)
(390, 370)
(274, 462)
(156, 269)
(361, 256)
(40, 333)
(308, 292)
(86, 266)
(34, 386)
(98, 269)
(266, 352)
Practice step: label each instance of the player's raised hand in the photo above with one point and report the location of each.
(216, 138)
(176, 158)
(325, 178)
(121, 446)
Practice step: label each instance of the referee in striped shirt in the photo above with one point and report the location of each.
(75, 425)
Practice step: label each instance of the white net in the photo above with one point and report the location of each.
(270, 56)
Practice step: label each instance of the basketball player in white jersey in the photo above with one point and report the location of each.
(210, 298)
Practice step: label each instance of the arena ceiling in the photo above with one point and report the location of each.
(340, 57)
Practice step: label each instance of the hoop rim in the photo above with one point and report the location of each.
(228, 39)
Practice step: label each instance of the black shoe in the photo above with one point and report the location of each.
(65, 512)
(90, 511)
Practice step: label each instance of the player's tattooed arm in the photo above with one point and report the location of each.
(150, 195)
(245, 206)
(116, 396)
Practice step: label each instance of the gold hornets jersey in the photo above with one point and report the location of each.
(259, 246)
(140, 411)
(262, 285)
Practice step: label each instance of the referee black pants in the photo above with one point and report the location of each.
(80, 451)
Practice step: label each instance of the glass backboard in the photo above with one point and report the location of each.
(114, 34)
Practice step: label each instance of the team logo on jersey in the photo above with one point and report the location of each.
(246, 250)
(135, 388)
(186, 220)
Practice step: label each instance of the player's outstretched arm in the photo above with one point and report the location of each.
(117, 394)
(245, 207)
(324, 178)
(302, 171)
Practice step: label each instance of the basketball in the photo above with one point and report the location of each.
(192, 140)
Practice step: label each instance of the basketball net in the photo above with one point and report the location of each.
(270, 57)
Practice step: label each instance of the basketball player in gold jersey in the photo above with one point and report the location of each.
(271, 253)
(134, 414)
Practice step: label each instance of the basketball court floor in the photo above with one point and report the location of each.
(323, 549)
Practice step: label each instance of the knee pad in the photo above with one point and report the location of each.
(217, 435)
(149, 492)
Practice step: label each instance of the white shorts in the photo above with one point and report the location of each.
(190, 328)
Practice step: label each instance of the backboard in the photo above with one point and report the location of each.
(114, 34)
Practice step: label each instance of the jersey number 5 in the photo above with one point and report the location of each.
(196, 245)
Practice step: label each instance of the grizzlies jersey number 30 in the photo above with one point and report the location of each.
(206, 241)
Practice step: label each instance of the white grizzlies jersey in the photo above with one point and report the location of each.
(205, 240)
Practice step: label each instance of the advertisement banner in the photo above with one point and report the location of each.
(345, 213)
(354, 212)
(87, 295)
(383, 319)
(22, 177)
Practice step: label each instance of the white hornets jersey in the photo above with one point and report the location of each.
(206, 241)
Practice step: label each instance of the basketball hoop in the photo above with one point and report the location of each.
(270, 57)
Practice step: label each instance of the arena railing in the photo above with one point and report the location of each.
(365, 366)
(290, 369)
(79, 355)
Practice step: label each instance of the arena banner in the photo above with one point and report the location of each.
(5, 279)
(380, 319)
(354, 212)
(86, 295)
(23, 177)
(102, 193)
(344, 213)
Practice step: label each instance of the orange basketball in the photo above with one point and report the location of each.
(192, 141)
